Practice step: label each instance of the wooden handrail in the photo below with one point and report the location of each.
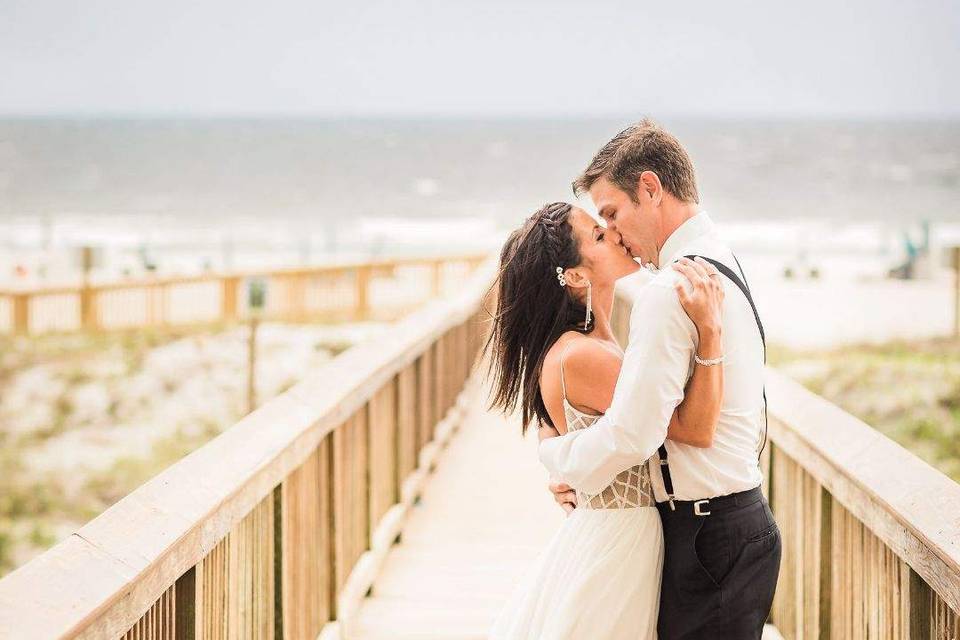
(338, 266)
(281, 520)
(337, 290)
(871, 533)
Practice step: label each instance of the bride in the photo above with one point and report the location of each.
(553, 353)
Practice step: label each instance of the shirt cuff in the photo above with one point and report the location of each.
(547, 452)
(553, 450)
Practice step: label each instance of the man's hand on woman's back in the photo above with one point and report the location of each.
(565, 496)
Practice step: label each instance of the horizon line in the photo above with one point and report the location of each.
(480, 117)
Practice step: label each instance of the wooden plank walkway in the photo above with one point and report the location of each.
(482, 519)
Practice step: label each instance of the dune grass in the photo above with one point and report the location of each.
(910, 391)
(40, 505)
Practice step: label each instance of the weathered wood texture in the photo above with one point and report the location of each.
(381, 289)
(871, 533)
(308, 562)
(277, 527)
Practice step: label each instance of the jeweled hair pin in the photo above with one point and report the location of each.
(561, 277)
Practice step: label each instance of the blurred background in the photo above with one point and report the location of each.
(164, 142)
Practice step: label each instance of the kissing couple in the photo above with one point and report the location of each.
(653, 446)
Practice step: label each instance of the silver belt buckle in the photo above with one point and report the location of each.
(696, 508)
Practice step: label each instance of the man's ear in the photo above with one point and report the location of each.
(650, 187)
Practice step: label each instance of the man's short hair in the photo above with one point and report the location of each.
(644, 146)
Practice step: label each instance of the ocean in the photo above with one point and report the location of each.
(190, 193)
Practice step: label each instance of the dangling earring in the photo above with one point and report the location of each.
(586, 323)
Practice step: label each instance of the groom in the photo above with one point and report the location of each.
(722, 545)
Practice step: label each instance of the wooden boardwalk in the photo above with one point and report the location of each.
(482, 519)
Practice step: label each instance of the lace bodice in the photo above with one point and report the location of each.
(630, 489)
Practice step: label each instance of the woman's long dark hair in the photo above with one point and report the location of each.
(533, 309)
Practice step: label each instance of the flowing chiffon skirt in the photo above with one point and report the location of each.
(597, 578)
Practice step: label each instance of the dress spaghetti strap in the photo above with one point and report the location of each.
(563, 355)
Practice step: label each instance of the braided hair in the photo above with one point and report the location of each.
(533, 309)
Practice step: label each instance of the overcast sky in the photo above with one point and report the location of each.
(873, 58)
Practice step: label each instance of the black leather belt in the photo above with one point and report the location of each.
(708, 506)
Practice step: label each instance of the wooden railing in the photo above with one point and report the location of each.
(871, 533)
(276, 527)
(383, 289)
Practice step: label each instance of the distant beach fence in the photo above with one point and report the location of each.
(371, 290)
(871, 533)
(277, 527)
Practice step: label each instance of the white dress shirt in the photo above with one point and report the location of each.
(658, 362)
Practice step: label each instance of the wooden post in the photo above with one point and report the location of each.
(185, 607)
(362, 310)
(382, 439)
(228, 298)
(824, 605)
(406, 422)
(298, 294)
(425, 416)
(252, 366)
(956, 296)
(88, 295)
(920, 603)
(21, 313)
(436, 385)
(88, 308)
(256, 303)
(164, 304)
(437, 278)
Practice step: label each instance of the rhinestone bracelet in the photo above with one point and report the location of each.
(708, 363)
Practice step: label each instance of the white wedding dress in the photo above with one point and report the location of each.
(599, 576)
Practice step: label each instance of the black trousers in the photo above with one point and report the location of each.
(720, 570)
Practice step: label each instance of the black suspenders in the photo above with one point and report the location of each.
(745, 288)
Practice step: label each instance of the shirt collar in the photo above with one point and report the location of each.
(697, 226)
